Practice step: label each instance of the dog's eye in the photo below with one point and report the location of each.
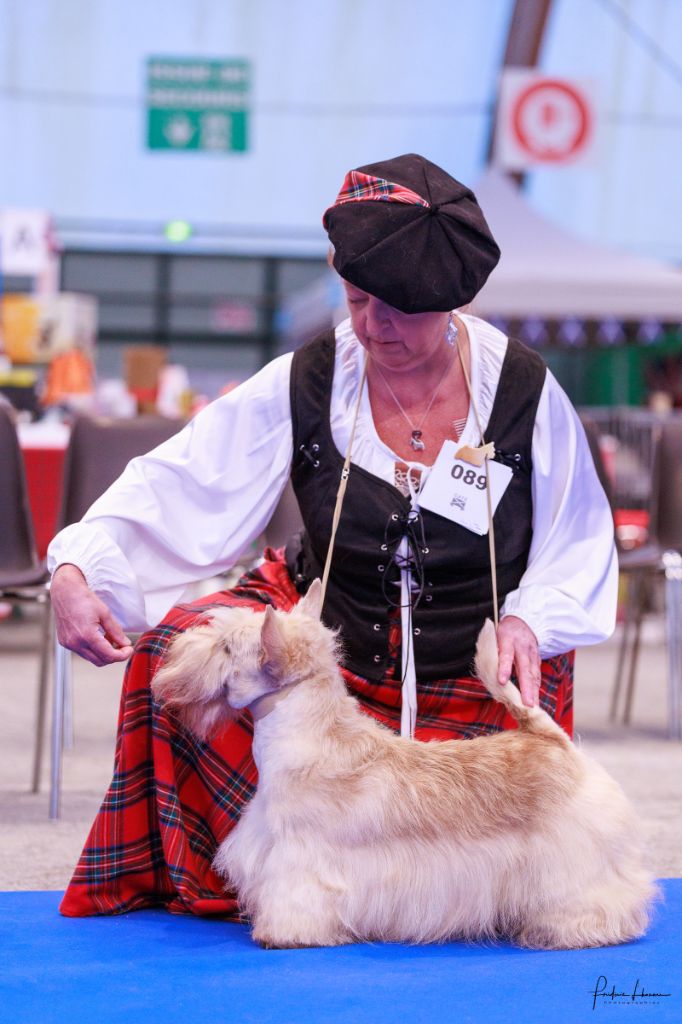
(226, 647)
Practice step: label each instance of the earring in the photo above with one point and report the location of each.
(451, 331)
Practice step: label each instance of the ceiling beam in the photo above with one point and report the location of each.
(524, 43)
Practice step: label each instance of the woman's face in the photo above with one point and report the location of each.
(396, 341)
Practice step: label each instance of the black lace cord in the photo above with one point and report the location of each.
(408, 525)
(411, 526)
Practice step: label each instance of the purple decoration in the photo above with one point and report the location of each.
(611, 332)
(572, 332)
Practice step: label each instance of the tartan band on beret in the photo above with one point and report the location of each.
(425, 247)
(358, 186)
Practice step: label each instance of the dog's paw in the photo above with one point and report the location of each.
(265, 942)
(267, 939)
(280, 942)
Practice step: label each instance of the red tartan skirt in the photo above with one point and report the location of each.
(173, 799)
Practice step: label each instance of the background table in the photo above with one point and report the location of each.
(44, 448)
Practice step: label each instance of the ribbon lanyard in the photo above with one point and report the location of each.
(345, 472)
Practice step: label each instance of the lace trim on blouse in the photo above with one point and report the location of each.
(401, 471)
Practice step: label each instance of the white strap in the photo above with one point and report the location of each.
(408, 694)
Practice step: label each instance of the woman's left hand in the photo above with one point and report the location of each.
(518, 648)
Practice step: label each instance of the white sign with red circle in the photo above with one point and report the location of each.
(543, 121)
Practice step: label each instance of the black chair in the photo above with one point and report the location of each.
(22, 576)
(661, 556)
(98, 452)
(592, 433)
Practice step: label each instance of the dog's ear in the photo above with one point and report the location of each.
(311, 603)
(191, 670)
(273, 645)
(191, 679)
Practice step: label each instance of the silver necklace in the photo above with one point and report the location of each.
(416, 442)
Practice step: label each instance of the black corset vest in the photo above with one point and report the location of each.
(455, 580)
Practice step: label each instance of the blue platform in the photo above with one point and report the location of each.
(152, 966)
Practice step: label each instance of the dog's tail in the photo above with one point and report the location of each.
(533, 720)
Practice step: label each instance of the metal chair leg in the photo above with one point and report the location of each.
(61, 656)
(68, 701)
(672, 560)
(630, 614)
(634, 654)
(41, 703)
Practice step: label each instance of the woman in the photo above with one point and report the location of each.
(407, 378)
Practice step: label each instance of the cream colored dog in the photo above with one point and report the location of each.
(357, 834)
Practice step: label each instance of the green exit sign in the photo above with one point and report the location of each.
(198, 105)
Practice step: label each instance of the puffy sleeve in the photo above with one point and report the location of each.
(190, 507)
(568, 593)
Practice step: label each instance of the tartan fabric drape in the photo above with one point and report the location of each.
(173, 799)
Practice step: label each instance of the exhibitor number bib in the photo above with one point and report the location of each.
(456, 489)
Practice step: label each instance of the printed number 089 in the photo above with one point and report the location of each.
(467, 476)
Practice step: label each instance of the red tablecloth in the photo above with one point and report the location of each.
(44, 449)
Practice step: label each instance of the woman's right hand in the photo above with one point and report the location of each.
(84, 623)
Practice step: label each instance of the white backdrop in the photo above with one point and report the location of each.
(631, 198)
(336, 83)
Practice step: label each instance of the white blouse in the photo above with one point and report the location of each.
(189, 508)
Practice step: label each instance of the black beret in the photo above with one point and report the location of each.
(407, 232)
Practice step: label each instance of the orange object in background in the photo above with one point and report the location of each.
(36, 328)
(69, 374)
(142, 365)
(21, 328)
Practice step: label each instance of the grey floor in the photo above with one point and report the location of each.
(40, 854)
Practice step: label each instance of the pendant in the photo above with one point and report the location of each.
(416, 441)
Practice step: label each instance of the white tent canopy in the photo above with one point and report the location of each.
(546, 272)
